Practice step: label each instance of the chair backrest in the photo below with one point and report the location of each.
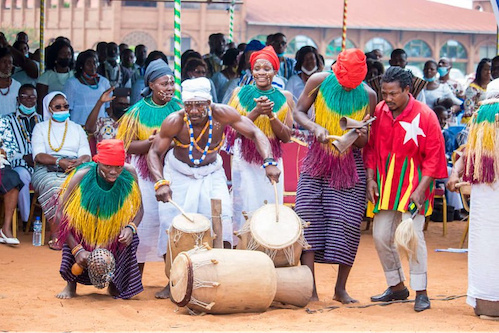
(465, 192)
(293, 154)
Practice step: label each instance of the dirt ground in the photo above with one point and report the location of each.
(29, 279)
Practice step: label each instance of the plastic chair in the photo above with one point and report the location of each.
(293, 154)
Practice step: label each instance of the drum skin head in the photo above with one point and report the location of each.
(274, 234)
(181, 280)
(201, 223)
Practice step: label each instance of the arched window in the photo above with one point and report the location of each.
(418, 48)
(334, 48)
(455, 51)
(140, 37)
(379, 43)
(488, 51)
(297, 43)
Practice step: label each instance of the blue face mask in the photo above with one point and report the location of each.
(280, 55)
(442, 71)
(429, 80)
(60, 116)
(26, 110)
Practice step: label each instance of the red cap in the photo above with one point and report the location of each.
(110, 152)
(350, 68)
(267, 53)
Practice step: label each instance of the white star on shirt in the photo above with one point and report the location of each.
(412, 130)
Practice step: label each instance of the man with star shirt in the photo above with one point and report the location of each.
(404, 155)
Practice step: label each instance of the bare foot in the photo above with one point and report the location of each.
(164, 293)
(343, 297)
(112, 290)
(68, 292)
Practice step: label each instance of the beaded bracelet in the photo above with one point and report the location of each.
(266, 164)
(272, 118)
(57, 161)
(132, 227)
(76, 249)
(161, 182)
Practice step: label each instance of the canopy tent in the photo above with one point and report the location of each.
(495, 7)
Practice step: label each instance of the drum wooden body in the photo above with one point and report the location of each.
(184, 235)
(223, 281)
(294, 285)
(282, 240)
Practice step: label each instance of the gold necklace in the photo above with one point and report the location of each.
(63, 136)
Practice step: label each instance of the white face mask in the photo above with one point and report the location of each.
(304, 70)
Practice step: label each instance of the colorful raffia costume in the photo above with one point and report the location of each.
(94, 214)
(482, 171)
(250, 186)
(331, 189)
(139, 123)
(401, 151)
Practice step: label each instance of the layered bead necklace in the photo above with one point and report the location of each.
(192, 140)
(63, 136)
(85, 77)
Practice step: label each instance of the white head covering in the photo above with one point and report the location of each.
(199, 88)
(46, 102)
(492, 89)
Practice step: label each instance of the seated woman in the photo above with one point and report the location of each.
(59, 145)
(10, 183)
(110, 222)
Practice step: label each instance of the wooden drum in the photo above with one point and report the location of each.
(280, 237)
(222, 281)
(294, 285)
(184, 235)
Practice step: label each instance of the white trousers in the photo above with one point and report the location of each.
(384, 225)
(24, 201)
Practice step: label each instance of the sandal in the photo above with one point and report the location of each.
(54, 244)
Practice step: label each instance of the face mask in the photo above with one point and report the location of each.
(429, 80)
(304, 70)
(63, 62)
(27, 55)
(60, 116)
(442, 71)
(26, 110)
(119, 111)
(280, 55)
(112, 58)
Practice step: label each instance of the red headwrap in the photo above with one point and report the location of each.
(266, 53)
(110, 152)
(350, 68)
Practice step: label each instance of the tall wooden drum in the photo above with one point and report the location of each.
(280, 237)
(222, 281)
(184, 235)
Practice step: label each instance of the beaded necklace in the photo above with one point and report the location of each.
(23, 127)
(193, 141)
(63, 136)
(94, 86)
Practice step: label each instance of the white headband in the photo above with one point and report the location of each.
(199, 88)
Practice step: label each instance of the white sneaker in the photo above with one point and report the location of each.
(7, 240)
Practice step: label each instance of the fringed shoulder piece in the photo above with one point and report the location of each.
(95, 216)
(482, 148)
(140, 121)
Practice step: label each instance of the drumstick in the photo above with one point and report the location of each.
(181, 210)
(333, 137)
(276, 201)
(461, 184)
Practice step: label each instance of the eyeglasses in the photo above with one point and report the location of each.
(197, 71)
(60, 107)
(27, 96)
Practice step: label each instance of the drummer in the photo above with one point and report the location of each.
(192, 172)
(110, 222)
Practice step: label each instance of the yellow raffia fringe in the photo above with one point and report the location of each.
(128, 127)
(262, 122)
(481, 142)
(96, 231)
